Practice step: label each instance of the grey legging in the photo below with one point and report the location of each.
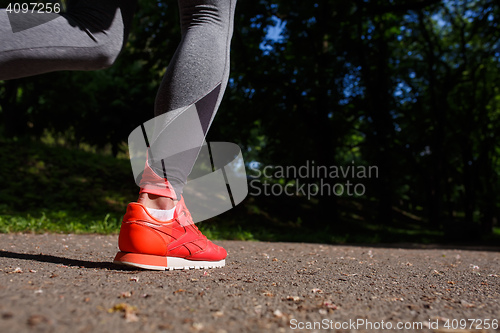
(91, 34)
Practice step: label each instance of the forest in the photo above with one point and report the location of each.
(409, 89)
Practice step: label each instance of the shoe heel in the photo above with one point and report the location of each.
(146, 261)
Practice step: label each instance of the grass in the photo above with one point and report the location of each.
(59, 222)
(47, 187)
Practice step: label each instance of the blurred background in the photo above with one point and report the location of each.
(411, 87)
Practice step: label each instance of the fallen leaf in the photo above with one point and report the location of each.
(121, 307)
(16, 270)
(394, 299)
(278, 313)
(165, 327)
(37, 319)
(467, 304)
(218, 314)
(198, 326)
(329, 305)
(443, 319)
(125, 294)
(7, 315)
(129, 311)
(131, 317)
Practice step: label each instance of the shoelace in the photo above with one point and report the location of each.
(186, 212)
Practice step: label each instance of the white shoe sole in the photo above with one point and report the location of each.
(175, 263)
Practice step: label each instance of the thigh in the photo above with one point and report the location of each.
(89, 36)
(43, 30)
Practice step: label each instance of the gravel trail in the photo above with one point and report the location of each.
(67, 283)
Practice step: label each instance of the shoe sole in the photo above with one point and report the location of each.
(151, 262)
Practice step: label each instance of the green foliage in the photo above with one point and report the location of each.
(408, 86)
(59, 221)
(44, 195)
(53, 188)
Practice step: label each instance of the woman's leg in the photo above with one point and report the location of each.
(194, 82)
(186, 104)
(89, 36)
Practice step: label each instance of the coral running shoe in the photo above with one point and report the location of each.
(148, 243)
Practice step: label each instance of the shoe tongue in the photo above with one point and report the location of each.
(178, 211)
(184, 220)
(181, 216)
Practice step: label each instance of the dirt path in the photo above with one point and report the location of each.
(66, 283)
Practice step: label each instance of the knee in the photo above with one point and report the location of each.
(216, 14)
(108, 40)
(105, 56)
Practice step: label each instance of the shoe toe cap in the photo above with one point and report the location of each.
(212, 252)
(222, 251)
